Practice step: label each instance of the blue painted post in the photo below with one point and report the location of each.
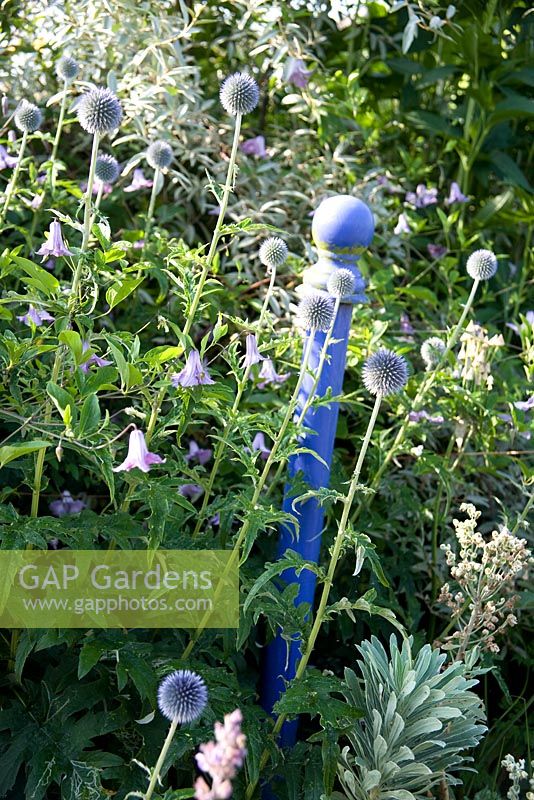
(343, 227)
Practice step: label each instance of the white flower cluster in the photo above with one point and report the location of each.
(476, 353)
(485, 572)
(517, 773)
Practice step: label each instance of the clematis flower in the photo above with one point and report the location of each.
(436, 250)
(35, 316)
(268, 374)
(405, 325)
(422, 197)
(252, 355)
(66, 505)
(138, 181)
(455, 195)
(191, 490)
(529, 317)
(259, 446)
(193, 374)
(296, 73)
(93, 359)
(254, 147)
(525, 405)
(138, 454)
(37, 201)
(417, 416)
(6, 160)
(200, 454)
(54, 245)
(402, 226)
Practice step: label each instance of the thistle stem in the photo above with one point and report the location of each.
(235, 554)
(87, 219)
(228, 186)
(14, 178)
(152, 204)
(55, 146)
(159, 763)
(327, 585)
(41, 454)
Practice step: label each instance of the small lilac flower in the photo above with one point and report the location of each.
(254, 147)
(268, 374)
(220, 759)
(422, 196)
(402, 226)
(35, 316)
(37, 201)
(139, 244)
(191, 490)
(215, 520)
(138, 181)
(259, 446)
(107, 188)
(252, 355)
(6, 160)
(525, 405)
(182, 696)
(455, 195)
(54, 245)
(529, 322)
(193, 374)
(296, 73)
(405, 325)
(200, 454)
(138, 454)
(436, 250)
(65, 505)
(93, 359)
(41, 178)
(417, 416)
(50, 264)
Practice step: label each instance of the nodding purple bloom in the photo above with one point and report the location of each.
(193, 374)
(6, 160)
(252, 355)
(37, 201)
(138, 181)
(220, 759)
(402, 226)
(54, 245)
(417, 416)
(455, 195)
(259, 446)
(191, 490)
(268, 374)
(405, 325)
(529, 317)
(200, 454)
(296, 73)
(436, 250)
(93, 359)
(525, 405)
(138, 454)
(255, 147)
(35, 316)
(422, 197)
(66, 505)
(139, 244)
(5, 105)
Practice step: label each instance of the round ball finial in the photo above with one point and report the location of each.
(343, 226)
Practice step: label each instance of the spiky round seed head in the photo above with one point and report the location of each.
(182, 696)
(431, 351)
(159, 155)
(107, 168)
(239, 93)
(28, 117)
(316, 311)
(482, 264)
(341, 283)
(273, 252)
(385, 372)
(67, 68)
(99, 111)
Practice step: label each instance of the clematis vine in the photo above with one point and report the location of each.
(98, 361)
(252, 355)
(35, 316)
(268, 374)
(7, 161)
(54, 245)
(200, 454)
(66, 505)
(402, 226)
(193, 374)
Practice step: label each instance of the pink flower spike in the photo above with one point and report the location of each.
(54, 245)
(138, 454)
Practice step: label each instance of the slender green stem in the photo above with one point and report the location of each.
(13, 182)
(235, 554)
(40, 457)
(161, 759)
(523, 516)
(152, 204)
(230, 422)
(327, 585)
(228, 186)
(87, 220)
(55, 146)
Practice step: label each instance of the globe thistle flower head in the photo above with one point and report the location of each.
(28, 117)
(316, 311)
(159, 155)
(239, 94)
(182, 696)
(341, 283)
(99, 111)
(482, 265)
(67, 68)
(273, 252)
(107, 168)
(432, 350)
(385, 373)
